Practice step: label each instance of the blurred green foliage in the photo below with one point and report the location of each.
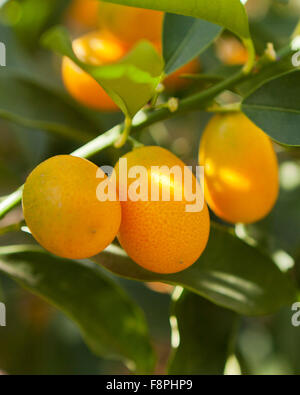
(41, 340)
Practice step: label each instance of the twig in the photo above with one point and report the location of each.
(192, 103)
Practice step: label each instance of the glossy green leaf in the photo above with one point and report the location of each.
(30, 104)
(230, 14)
(131, 82)
(275, 108)
(267, 73)
(112, 324)
(229, 273)
(185, 38)
(202, 334)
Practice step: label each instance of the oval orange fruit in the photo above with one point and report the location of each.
(62, 211)
(161, 235)
(241, 169)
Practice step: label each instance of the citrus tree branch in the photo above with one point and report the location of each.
(99, 143)
(144, 119)
(10, 202)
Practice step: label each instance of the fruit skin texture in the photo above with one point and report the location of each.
(241, 170)
(62, 211)
(160, 235)
(95, 48)
(131, 24)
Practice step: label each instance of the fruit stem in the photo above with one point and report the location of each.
(125, 134)
(159, 89)
(172, 104)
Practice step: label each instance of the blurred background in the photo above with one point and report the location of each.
(40, 340)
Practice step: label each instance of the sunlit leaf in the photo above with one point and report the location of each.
(229, 273)
(131, 82)
(275, 108)
(230, 14)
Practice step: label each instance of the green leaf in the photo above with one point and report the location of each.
(230, 14)
(275, 108)
(131, 82)
(229, 273)
(184, 39)
(267, 73)
(204, 332)
(30, 104)
(111, 324)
